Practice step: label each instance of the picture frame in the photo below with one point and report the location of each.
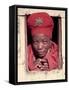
(20, 70)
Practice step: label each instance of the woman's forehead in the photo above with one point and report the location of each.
(40, 37)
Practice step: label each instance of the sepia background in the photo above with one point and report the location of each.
(23, 74)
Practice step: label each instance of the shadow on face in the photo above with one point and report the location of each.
(40, 43)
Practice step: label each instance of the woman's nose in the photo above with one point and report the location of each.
(40, 45)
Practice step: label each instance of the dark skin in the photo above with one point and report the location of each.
(41, 44)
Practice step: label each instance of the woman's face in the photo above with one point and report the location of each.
(41, 43)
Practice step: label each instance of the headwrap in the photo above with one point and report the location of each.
(41, 23)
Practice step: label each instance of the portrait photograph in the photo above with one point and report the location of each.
(41, 44)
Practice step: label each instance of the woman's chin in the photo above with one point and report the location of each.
(41, 55)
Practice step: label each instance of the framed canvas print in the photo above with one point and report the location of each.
(37, 44)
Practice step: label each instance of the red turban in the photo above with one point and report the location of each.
(41, 23)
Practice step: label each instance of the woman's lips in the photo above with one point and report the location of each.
(41, 52)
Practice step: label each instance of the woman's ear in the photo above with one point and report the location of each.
(50, 44)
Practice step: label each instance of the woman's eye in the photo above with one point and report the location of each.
(44, 41)
(35, 42)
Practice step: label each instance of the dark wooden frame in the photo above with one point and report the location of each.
(13, 37)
